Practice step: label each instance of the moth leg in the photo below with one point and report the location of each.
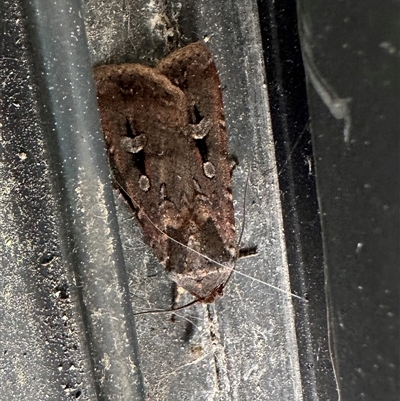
(248, 251)
(175, 296)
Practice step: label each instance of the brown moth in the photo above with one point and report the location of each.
(167, 142)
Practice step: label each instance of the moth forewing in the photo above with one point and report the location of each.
(165, 132)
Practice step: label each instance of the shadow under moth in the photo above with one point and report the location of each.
(167, 143)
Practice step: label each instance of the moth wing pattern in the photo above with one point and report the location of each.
(167, 143)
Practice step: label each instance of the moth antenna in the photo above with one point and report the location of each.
(167, 310)
(203, 256)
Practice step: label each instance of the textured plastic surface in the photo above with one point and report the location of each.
(59, 141)
(294, 154)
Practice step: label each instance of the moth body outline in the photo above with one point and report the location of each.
(166, 137)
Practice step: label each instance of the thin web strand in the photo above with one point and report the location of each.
(206, 257)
